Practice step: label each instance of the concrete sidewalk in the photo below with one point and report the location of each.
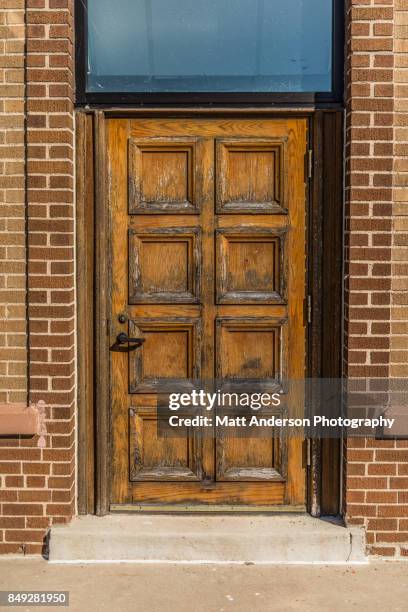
(214, 588)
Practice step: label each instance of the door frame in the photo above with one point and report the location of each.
(324, 286)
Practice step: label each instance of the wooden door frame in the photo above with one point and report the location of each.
(324, 333)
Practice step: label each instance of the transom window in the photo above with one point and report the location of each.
(207, 46)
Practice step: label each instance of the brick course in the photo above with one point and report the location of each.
(38, 484)
(376, 292)
(13, 354)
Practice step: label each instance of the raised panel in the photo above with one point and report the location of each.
(164, 266)
(251, 266)
(170, 355)
(251, 351)
(248, 459)
(250, 175)
(162, 176)
(154, 457)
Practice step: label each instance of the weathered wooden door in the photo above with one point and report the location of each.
(208, 259)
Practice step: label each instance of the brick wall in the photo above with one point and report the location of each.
(13, 339)
(38, 484)
(399, 258)
(376, 341)
(399, 263)
(13, 354)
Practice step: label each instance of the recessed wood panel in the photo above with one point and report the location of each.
(250, 175)
(251, 350)
(162, 176)
(155, 457)
(250, 266)
(164, 266)
(169, 355)
(248, 459)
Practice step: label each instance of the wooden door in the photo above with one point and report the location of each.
(208, 260)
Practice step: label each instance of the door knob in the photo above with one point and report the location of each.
(124, 344)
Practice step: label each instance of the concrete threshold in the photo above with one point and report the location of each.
(195, 539)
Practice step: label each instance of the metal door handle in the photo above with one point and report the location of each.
(124, 344)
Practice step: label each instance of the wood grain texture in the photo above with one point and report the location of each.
(171, 354)
(102, 291)
(332, 284)
(209, 492)
(164, 175)
(251, 266)
(165, 265)
(325, 283)
(253, 351)
(248, 459)
(85, 281)
(251, 175)
(156, 458)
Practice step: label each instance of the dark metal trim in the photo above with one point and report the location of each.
(80, 9)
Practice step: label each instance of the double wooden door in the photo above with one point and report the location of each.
(208, 259)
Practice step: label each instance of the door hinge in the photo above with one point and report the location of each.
(308, 452)
(309, 163)
(308, 310)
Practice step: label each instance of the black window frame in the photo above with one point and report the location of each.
(84, 98)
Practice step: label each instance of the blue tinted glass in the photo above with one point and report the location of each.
(209, 45)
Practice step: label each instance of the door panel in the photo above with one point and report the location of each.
(249, 266)
(252, 351)
(250, 175)
(161, 458)
(171, 353)
(208, 259)
(248, 459)
(163, 176)
(164, 265)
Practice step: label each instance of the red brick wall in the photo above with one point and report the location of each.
(376, 481)
(38, 484)
(13, 354)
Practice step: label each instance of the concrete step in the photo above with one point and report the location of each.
(206, 539)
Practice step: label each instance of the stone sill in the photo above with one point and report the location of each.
(20, 419)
